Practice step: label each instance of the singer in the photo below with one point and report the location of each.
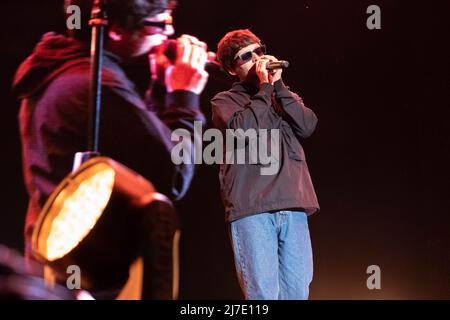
(53, 84)
(267, 214)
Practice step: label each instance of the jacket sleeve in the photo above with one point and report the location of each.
(302, 120)
(228, 114)
(142, 139)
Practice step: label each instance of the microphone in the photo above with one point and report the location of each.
(277, 65)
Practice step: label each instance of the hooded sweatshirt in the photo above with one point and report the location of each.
(53, 84)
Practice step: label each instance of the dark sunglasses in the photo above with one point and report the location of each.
(158, 24)
(247, 56)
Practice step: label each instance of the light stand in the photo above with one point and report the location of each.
(98, 22)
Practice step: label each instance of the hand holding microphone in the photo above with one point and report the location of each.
(180, 65)
(269, 69)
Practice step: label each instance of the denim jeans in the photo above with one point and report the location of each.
(273, 255)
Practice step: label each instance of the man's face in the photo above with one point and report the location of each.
(156, 31)
(245, 59)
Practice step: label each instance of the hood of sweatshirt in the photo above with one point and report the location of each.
(51, 56)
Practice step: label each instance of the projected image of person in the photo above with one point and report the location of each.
(54, 82)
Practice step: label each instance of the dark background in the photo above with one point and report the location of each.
(379, 157)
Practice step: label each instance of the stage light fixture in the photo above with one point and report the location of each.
(102, 218)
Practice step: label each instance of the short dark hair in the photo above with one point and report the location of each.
(231, 43)
(129, 14)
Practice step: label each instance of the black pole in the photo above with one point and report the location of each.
(98, 23)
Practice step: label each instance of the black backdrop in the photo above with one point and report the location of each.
(379, 158)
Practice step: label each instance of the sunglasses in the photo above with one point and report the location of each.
(159, 24)
(247, 56)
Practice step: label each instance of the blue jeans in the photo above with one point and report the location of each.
(273, 255)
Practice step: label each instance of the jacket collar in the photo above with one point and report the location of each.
(244, 87)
